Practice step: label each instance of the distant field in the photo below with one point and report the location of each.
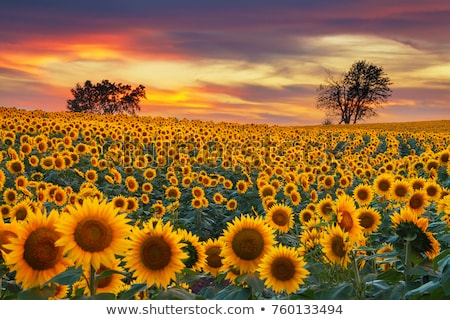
(138, 207)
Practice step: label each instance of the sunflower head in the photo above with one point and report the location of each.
(280, 217)
(93, 233)
(246, 240)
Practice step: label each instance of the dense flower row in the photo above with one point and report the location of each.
(137, 207)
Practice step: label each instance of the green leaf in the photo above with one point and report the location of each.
(441, 259)
(424, 290)
(130, 293)
(176, 293)
(233, 293)
(253, 282)
(37, 293)
(391, 276)
(68, 277)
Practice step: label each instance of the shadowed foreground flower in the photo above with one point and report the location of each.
(33, 254)
(336, 246)
(247, 239)
(156, 254)
(283, 269)
(196, 252)
(214, 260)
(411, 228)
(93, 233)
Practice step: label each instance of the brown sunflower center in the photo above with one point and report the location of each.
(400, 191)
(416, 201)
(155, 253)
(431, 191)
(366, 220)
(282, 269)
(337, 246)
(384, 185)
(363, 194)
(21, 213)
(213, 259)
(280, 218)
(248, 244)
(93, 235)
(346, 222)
(39, 249)
(16, 167)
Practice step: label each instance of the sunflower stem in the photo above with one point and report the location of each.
(408, 260)
(92, 284)
(358, 286)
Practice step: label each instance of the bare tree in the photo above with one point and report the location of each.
(356, 94)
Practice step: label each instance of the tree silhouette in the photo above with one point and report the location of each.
(356, 94)
(105, 98)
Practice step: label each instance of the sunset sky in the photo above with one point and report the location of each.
(240, 61)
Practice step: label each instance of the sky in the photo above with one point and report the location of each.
(254, 61)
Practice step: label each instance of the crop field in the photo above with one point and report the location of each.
(137, 207)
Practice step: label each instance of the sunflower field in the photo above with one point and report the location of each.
(138, 207)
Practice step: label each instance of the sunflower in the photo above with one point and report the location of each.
(328, 182)
(231, 205)
(34, 255)
(47, 163)
(381, 260)
(289, 188)
(369, 219)
(242, 186)
(173, 192)
(309, 238)
(214, 258)
(401, 190)
(21, 211)
(132, 204)
(417, 201)
(197, 203)
(21, 183)
(411, 228)
(325, 208)
(131, 183)
(282, 269)
(156, 254)
(433, 190)
(119, 202)
(5, 211)
(158, 209)
(280, 217)
(7, 231)
(93, 233)
(267, 191)
(10, 196)
(60, 197)
(363, 194)
(111, 283)
(91, 176)
(195, 250)
(346, 217)
(247, 239)
(198, 192)
(418, 183)
(336, 246)
(147, 187)
(15, 166)
(218, 198)
(305, 215)
(295, 198)
(383, 184)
